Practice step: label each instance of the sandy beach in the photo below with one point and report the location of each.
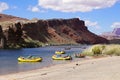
(106, 68)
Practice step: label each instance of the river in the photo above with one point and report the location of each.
(9, 63)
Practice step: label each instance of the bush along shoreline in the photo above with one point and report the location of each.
(103, 50)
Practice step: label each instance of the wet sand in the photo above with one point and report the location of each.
(106, 68)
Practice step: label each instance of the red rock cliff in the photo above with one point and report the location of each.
(62, 31)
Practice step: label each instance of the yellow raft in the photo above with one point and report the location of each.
(54, 57)
(59, 52)
(32, 59)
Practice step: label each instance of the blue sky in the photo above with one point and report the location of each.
(99, 15)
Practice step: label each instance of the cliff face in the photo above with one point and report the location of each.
(73, 30)
(62, 31)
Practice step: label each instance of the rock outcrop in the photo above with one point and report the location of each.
(59, 31)
(2, 39)
(4, 17)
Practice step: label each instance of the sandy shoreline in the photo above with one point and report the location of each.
(106, 68)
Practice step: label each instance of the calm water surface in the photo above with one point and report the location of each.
(9, 63)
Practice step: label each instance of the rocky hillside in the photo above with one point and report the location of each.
(4, 17)
(59, 31)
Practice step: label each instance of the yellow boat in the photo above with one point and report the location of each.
(59, 52)
(55, 57)
(30, 59)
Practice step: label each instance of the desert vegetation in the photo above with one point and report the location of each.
(103, 50)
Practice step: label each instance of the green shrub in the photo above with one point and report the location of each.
(112, 49)
(88, 53)
(110, 52)
(96, 50)
(13, 46)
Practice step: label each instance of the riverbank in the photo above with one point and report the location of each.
(106, 68)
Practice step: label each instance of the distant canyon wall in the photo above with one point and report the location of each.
(113, 37)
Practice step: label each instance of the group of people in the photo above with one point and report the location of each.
(61, 55)
(28, 57)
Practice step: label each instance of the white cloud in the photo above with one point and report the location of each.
(75, 5)
(3, 6)
(34, 8)
(116, 25)
(92, 24)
